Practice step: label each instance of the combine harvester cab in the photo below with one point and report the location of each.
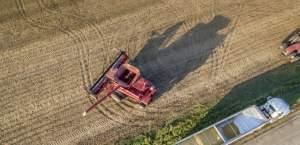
(291, 45)
(239, 124)
(122, 80)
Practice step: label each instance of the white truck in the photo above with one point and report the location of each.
(239, 124)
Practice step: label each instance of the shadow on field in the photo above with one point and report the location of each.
(167, 65)
(283, 81)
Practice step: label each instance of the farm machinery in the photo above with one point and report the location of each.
(122, 80)
(291, 45)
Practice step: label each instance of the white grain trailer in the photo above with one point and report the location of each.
(240, 124)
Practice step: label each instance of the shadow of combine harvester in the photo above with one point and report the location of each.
(167, 65)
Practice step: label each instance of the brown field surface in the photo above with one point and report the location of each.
(194, 51)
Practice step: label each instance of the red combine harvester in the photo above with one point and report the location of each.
(291, 45)
(122, 80)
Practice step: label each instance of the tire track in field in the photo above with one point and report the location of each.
(218, 59)
(50, 112)
(112, 113)
(238, 51)
(20, 8)
(105, 112)
(43, 103)
(187, 25)
(173, 9)
(46, 101)
(43, 126)
(22, 12)
(75, 37)
(91, 24)
(227, 45)
(239, 56)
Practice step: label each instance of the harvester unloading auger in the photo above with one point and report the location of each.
(122, 80)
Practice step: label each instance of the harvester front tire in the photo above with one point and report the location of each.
(116, 97)
(142, 106)
(294, 59)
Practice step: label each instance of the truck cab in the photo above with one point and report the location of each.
(275, 108)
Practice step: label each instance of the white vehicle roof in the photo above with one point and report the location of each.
(280, 105)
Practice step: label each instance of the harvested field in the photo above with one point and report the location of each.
(195, 51)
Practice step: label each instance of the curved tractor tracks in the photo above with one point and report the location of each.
(113, 111)
(82, 52)
(218, 60)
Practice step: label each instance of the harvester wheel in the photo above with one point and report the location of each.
(294, 58)
(142, 106)
(283, 46)
(116, 97)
